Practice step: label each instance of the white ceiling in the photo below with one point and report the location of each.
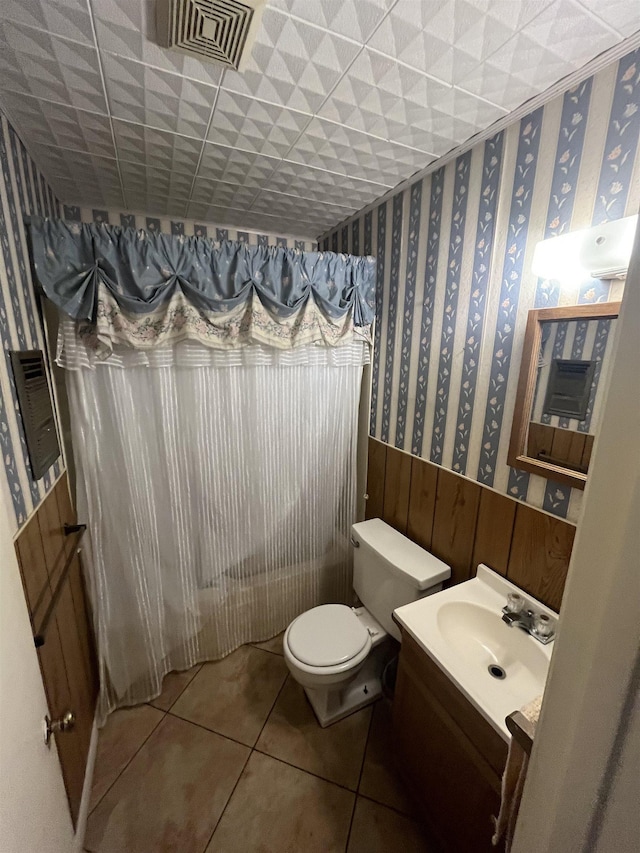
(341, 99)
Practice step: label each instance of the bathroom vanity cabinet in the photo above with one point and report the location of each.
(448, 754)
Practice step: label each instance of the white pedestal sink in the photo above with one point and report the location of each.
(499, 668)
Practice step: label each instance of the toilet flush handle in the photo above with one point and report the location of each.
(354, 542)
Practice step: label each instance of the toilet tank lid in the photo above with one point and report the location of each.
(400, 553)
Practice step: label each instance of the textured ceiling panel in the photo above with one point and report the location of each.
(340, 101)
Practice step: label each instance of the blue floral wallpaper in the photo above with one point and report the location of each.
(188, 227)
(23, 191)
(454, 255)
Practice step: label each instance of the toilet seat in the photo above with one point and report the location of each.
(328, 637)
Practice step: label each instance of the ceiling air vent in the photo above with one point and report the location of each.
(213, 30)
(34, 399)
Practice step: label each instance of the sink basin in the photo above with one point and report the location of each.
(487, 642)
(498, 667)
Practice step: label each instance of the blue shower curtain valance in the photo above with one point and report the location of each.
(145, 290)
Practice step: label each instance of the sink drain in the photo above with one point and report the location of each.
(496, 671)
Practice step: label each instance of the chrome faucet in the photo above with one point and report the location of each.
(522, 620)
(519, 613)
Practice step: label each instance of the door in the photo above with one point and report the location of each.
(50, 565)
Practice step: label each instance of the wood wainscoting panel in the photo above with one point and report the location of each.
(464, 523)
(540, 554)
(539, 440)
(54, 591)
(454, 523)
(494, 531)
(58, 693)
(397, 483)
(33, 568)
(568, 445)
(376, 470)
(422, 501)
(588, 449)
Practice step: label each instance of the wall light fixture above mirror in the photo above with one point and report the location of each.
(601, 252)
(561, 388)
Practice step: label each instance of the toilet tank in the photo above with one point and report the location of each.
(390, 570)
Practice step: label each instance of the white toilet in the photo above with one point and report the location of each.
(337, 653)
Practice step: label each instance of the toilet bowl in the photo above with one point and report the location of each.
(337, 653)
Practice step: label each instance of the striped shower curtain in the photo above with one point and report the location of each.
(219, 490)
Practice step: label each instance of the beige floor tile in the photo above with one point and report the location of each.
(172, 687)
(233, 696)
(293, 734)
(380, 780)
(122, 736)
(377, 829)
(273, 645)
(171, 795)
(276, 808)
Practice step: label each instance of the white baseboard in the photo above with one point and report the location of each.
(83, 812)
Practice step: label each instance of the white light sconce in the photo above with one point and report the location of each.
(599, 252)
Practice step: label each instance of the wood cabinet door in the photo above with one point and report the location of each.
(458, 789)
(54, 589)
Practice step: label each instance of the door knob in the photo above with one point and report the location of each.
(65, 723)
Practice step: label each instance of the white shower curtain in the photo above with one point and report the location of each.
(219, 490)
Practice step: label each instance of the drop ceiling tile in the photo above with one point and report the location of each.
(65, 162)
(33, 62)
(306, 182)
(253, 125)
(140, 180)
(44, 123)
(560, 40)
(146, 145)
(448, 38)
(259, 222)
(146, 95)
(292, 64)
(222, 214)
(68, 18)
(622, 15)
(346, 151)
(90, 194)
(294, 207)
(218, 193)
(128, 28)
(376, 87)
(232, 166)
(565, 29)
(355, 19)
(157, 205)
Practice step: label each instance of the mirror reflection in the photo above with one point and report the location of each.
(572, 375)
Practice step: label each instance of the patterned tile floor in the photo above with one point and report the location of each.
(230, 759)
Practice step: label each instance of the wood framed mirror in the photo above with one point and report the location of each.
(563, 378)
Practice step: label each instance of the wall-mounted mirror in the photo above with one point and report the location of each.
(563, 379)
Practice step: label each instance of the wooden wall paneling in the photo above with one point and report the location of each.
(540, 554)
(454, 524)
(53, 539)
(568, 446)
(376, 468)
(56, 685)
(494, 531)
(67, 657)
(65, 508)
(588, 449)
(539, 440)
(422, 501)
(84, 623)
(33, 568)
(78, 675)
(397, 483)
